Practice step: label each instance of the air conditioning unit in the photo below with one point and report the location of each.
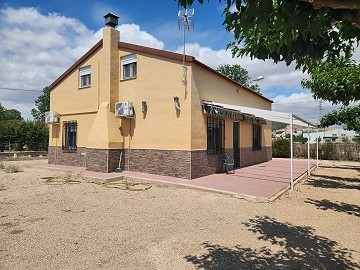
(124, 109)
(51, 117)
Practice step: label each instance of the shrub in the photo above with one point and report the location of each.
(13, 169)
(281, 149)
(328, 151)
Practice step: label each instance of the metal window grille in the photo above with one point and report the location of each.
(256, 137)
(69, 136)
(215, 135)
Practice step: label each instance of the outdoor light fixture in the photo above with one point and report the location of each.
(143, 106)
(259, 78)
(177, 103)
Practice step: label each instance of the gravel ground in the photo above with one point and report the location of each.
(88, 226)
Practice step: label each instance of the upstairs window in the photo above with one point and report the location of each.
(129, 66)
(69, 136)
(256, 137)
(85, 76)
(215, 135)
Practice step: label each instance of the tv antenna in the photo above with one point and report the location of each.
(185, 23)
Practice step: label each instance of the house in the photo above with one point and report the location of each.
(172, 128)
(332, 134)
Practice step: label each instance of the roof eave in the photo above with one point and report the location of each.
(76, 64)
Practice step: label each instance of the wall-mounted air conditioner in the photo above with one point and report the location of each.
(124, 109)
(51, 117)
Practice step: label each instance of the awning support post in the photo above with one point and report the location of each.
(291, 154)
(317, 148)
(308, 149)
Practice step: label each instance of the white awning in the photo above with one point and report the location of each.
(287, 118)
(266, 114)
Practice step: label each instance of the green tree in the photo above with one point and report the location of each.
(338, 82)
(301, 31)
(42, 105)
(37, 136)
(300, 139)
(239, 75)
(9, 114)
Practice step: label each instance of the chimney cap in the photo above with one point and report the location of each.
(111, 20)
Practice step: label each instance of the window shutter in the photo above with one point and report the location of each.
(85, 71)
(128, 59)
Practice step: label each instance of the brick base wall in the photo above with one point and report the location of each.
(248, 156)
(57, 156)
(203, 164)
(102, 160)
(175, 163)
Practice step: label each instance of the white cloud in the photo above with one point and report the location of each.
(303, 105)
(36, 49)
(276, 75)
(131, 33)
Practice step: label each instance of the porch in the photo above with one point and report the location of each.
(260, 182)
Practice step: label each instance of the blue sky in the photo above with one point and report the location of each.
(41, 39)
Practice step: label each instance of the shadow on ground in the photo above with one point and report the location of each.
(350, 209)
(340, 182)
(345, 167)
(293, 247)
(339, 178)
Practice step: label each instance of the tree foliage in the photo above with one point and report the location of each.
(347, 115)
(301, 31)
(9, 114)
(338, 82)
(300, 139)
(19, 133)
(239, 75)
(42, 105)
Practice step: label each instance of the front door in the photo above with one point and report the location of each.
(236, 144)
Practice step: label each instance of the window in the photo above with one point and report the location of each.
(256, 137)
(69, 136)
(129, 66)
(85, 76)
(215, 135)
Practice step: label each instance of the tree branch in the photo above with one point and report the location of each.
(335, 4)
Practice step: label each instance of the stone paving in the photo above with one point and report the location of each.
(262, 181)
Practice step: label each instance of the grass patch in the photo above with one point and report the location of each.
(2, 166)
(13, 169)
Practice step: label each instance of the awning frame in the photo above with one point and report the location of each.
(287, 118)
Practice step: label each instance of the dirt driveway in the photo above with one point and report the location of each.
(88, 226)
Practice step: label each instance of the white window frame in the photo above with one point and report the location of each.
(84, 71)
(131, 61)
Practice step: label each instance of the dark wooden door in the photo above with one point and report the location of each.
(236, 144)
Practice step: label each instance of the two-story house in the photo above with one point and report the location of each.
(172, 126)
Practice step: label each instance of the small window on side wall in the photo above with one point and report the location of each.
(69, 136)
(129, 66)
(256, 137)
(85, 76)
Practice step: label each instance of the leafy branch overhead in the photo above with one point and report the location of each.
(301, 31)
(339, 83)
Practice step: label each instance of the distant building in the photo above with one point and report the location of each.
(332, 135)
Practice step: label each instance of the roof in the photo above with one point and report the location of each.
(151, 51)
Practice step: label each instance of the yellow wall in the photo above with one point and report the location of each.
(158, 82)
(211, 87)
(83, 120)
